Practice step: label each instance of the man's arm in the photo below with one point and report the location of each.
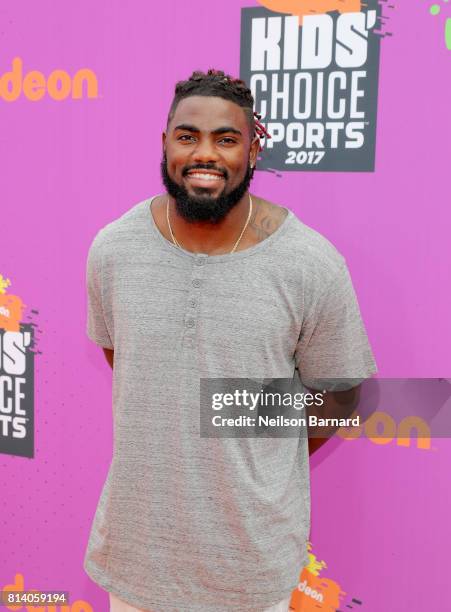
(333, 344)
(338, 405)
(109, 354)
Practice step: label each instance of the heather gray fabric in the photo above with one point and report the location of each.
(209, 525)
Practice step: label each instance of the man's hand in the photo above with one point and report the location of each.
(109, 354)
(337, 405)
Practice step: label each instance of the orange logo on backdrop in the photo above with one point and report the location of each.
(76, 606)
(313, 591)
(11, 307)
(59, 85)
(381, 428)
(311, 7)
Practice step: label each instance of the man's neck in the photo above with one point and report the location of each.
(219, 239)
(206, 237)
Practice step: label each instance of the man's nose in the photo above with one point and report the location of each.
(205, 151)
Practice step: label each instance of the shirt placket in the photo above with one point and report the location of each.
(193, 303)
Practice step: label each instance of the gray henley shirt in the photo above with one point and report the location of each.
(186, 523)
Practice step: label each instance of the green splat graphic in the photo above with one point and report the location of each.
(448, 33)
(434, 9)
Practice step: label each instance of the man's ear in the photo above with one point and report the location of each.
(255, 148)
(163, 141)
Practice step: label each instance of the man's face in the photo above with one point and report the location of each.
(207, 153)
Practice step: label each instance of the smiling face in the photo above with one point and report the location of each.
(208, 154)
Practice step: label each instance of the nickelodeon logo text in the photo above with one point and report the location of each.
(58, 85)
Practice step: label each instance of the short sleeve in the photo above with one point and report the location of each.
(333, 350)
(96, 328)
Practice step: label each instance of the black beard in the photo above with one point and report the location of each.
(204, 208)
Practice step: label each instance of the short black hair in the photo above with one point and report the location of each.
(216, 83)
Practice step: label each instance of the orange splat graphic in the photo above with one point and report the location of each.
(311, 7)
(11, 307)
(318, 594)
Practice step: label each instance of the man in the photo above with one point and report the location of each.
(206, 281)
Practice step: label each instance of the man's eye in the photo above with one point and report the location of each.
(185, 136)
(228, 139)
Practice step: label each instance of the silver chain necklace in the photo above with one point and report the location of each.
(175, 241)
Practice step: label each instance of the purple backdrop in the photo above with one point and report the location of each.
(379, 513)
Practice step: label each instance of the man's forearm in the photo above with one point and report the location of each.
(109, 354)
(337, 405)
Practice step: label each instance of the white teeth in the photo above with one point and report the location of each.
(208, 177)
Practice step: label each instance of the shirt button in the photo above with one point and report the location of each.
(200, 261)
(190, 323)
(193, 303)
(196, 282)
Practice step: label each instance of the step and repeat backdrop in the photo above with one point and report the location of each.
(356, 98)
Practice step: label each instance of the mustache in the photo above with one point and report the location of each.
(223, 172)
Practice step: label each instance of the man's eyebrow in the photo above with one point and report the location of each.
(186, 127)
(226, 128)
(220, 130)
